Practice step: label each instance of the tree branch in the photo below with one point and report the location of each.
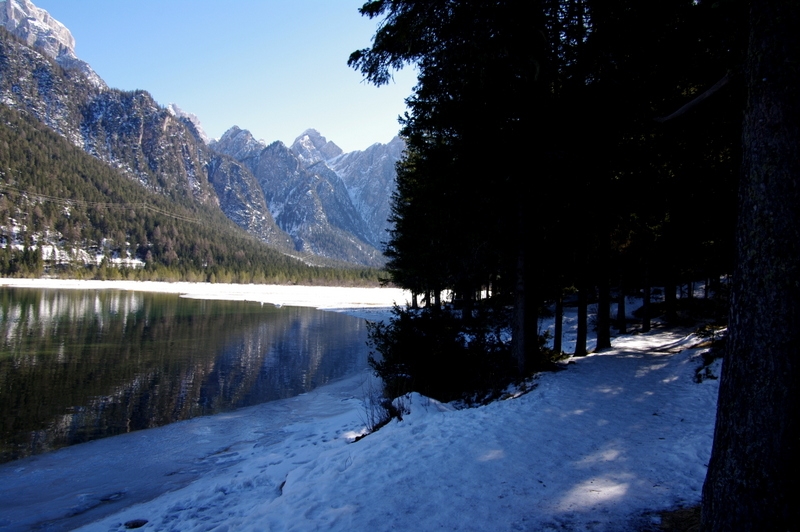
(717, 86)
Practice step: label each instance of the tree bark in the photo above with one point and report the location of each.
(603, 316)
(670, 303)
(580, 340)
(558, 332)
(646, 301)
(518, 328)
(621, 326)
(754, 467)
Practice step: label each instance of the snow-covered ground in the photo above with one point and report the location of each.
(603, 445)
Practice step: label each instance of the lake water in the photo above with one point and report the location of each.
(80, 365)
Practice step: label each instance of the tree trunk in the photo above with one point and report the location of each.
(602, 279)
(670, 314)
(754, 467)
(646, 301)
(603, 316)
(523, 340)
(558, 333)
(580, 341)
(621, 307)
(527, 295)
(468, 305)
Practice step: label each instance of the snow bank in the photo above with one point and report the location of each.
(603, 445)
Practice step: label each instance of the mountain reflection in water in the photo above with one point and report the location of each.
(81, 365)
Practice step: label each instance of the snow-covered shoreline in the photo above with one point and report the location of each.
(604, 445)
(321, 297)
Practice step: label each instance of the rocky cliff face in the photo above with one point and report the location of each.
(311, 148)
(133, 133)
(127, 130)
(39, 30)
(36, 27)
(369, 176)
(241, 200)
(310, 204)
(191, 119)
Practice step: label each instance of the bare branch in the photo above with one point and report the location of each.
(717, 86)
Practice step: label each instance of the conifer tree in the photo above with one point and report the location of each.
(463, 217)
(575, 91)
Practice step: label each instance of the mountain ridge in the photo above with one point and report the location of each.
(312, 206)
(300, 204)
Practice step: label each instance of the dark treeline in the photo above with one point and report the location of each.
(52, 193)
(588, 146)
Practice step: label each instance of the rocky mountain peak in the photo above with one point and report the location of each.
(238, 143)
(397, 143)
(311, 147)
(177, 112)
(38, 29)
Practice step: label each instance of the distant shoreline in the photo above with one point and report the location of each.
(321, 297)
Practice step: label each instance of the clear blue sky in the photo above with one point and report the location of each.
(275, 67)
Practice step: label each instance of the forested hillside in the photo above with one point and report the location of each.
(54, 195)
(299, 211)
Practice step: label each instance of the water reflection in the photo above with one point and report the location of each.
(81, 365)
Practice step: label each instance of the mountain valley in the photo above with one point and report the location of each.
(309, 200)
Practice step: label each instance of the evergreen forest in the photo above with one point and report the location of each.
(567, 150)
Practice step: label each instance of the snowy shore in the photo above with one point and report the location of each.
(604, 445)
(321, 297)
